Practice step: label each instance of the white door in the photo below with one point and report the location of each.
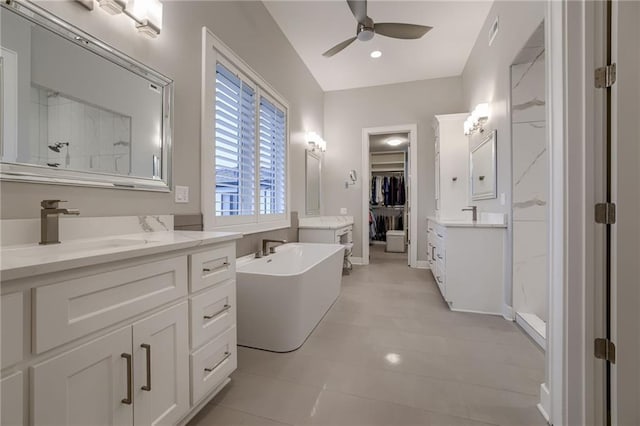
(625, 386)
(161, 367)
(85, 386)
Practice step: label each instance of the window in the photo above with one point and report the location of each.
(244, 146)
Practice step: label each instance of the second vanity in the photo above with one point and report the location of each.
(467, 262)
(136, 329)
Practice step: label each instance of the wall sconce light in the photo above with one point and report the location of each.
(475, 122)
(147, 14)
(316, 142)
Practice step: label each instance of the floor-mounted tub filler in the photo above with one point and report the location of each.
(283, 296)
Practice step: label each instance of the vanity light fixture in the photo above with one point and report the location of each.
(147, 14)
(376, 54)
(475, 122)
(112, 7)
(316, 142)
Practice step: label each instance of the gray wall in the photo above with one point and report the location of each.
(347, 112)
(248, 29)
(486, 78)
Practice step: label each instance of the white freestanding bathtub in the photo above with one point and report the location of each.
(283, 296)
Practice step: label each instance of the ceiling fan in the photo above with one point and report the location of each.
(367, 28)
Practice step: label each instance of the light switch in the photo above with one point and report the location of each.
(182, 194)
(343, 210)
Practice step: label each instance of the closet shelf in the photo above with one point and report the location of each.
(400, 207)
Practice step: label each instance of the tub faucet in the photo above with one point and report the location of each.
(474, 212)
(265, 245)
(49, 220)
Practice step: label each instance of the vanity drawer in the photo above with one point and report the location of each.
(67, 310)
(212, 363)
(440, 277)
(212, 266)
(12, 328)
(212, 312)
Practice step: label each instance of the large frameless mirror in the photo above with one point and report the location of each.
(75, 111)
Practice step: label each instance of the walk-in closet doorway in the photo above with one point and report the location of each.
(389, 194)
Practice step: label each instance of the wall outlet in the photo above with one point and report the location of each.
(503, 198)
(343, 210)
(182, 194)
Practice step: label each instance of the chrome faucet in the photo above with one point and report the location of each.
(49, 220)
(265, 245)
(474, 210)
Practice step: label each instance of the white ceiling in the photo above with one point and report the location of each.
(313, 27)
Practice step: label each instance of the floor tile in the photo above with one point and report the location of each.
(389, 352)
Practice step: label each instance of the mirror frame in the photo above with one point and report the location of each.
(31, 173)
(307, 210)
(493, 193)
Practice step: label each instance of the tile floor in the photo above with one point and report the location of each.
(389, 352)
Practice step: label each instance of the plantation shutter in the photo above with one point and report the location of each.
(273, 152)
(235, 153)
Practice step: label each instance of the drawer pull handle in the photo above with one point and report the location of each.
(226, 356)
(220, 312)
(441, 236)
(433, 249)
(439, 257)
(224, 265)
(147, 348)
(128, 400)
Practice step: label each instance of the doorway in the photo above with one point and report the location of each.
(389, 193)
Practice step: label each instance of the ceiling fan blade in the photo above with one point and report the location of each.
(359, 10)
(404, 31)
(338, 47)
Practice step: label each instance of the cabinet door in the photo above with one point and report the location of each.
(161, 373)
(437, 181)
(85, 386)
(11, 390)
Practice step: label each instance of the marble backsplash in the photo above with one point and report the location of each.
(27, 231)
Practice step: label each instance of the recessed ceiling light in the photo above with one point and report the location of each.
(394, 142)
(376, 54)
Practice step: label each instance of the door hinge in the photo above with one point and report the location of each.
(605, 349)
(605, 76)
(606, 213)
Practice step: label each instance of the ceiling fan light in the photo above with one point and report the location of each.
(365, 35)
(376, 54)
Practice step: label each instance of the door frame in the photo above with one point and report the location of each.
(412, 130)
(574, 34)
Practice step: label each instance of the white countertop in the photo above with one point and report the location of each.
(454, 223)
(20, 261)
(325, 222)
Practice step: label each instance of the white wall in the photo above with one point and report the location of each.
(248, 29)
(486, 78)
(347, 112)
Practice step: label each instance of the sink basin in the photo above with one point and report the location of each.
(74, 246)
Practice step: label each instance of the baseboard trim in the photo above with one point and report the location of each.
(507, 312)
(422, 264)
(545, 402)
(358, 261)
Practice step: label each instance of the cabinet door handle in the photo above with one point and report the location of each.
(433, 249)
(225, 264)
(220, 312)
(128, 399)
(147, 349)
(227, 354)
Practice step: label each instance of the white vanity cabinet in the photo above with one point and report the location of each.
(467, 262)
(451, 165)
(127, 342)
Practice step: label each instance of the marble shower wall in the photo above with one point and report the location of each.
(530, 179)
